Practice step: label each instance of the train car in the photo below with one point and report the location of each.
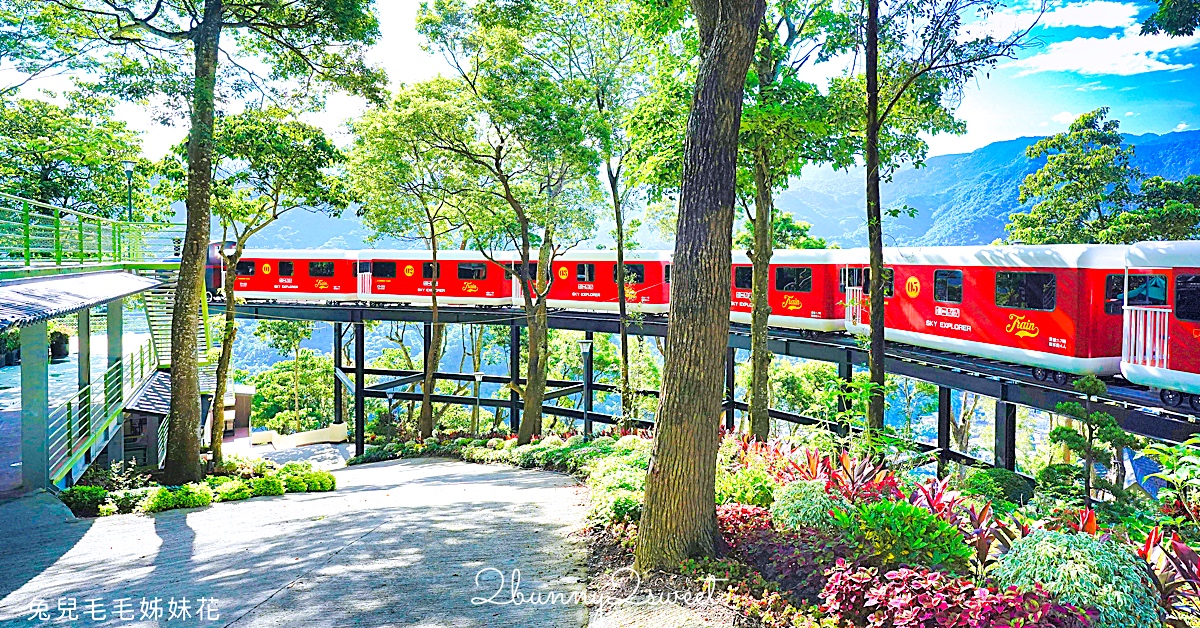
(1160, 295)
(407, 276)
(301, 275)
(802, 292)
(587, 280)
(1052, 308)
(214, 270)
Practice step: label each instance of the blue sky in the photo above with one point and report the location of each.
(1090, 55)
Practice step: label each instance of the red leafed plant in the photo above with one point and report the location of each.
(740, 525)
(1176, 571)
(936, 497)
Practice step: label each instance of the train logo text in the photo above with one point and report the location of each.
(791, 303)
(321, 284)
(1021, 327)
(469, 287)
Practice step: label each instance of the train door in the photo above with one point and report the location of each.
(1184, 349)
(364, 278)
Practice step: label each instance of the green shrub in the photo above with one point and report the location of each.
(232, 491)
(751, 485)
(495, 443)
(804, 505)
(107, 509)
(269, 485)
(320, 481)
(391, 448)
(629, 442)
(129, 501)
(603, 441)
(981, 485)
(575, 440)
(1060, 481)
(159, 500)
(368, 456)
(508, 443)
(1012, 487)
(295, 467)
(1087, 572)
(193, 495)
(215, 481)
(294, 484)
(479, 442)
(888, 534)
(409, 444)
(617, 506)
(617, 490)
(551, 441)
(84, 501)
(462, 442)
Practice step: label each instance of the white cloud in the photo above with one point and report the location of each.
(1122, 54)
(1065, 117)
(1182, 126)
(1094, 86)
(1094, 14)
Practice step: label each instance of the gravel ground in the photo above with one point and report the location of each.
(398, 544)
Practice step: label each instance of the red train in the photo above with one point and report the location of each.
(1132, 311)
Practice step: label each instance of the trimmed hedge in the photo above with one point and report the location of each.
(84, 501)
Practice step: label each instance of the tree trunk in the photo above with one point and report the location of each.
(432, 352)
(679, 518)
(183, 442)
(535, 374)
(296, 382)
(760, 356)
(218, 424)
(623, 323)
(875, 406)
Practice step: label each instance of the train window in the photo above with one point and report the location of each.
(431, 271)
(667, 273)
(634, 274)
(383, 270)
(472, 270)
(364, 268)
(852, 277)
(245, 269)
(1026, 291)
(320, 269)
(889, 281)
(793, 279)
(287, 269)
(743, 277)
(585, 272)
(1187, 297)
(947, 286)
(1143, 290)
(533, 269)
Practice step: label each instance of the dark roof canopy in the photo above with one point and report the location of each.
(28, 301)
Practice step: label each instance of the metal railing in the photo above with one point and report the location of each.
(35, 233)
(854, 305)
(1146, 336)
(76, 426)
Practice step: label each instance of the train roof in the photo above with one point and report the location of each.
(1102, 256)
(304, 254)
(1163, 254)
(444, 255)
(610, 255)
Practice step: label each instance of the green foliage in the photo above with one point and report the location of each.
(276, 394)
(233, 490)
(320, 481)
(804, 504)
(1086, 571)
(107, 509)
(84, 501)
(752, 485)
(159, 499)
(193, 495)
(294, 484)
(1102, 439)
(1010, 486)
(1173, 17)
(893, 533)
(266, 485)
(787, 233)
(117, 476)
(130, 500)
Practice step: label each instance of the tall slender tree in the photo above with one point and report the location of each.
(679, 519)
(151, 45)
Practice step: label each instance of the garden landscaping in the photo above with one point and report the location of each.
(819, 532)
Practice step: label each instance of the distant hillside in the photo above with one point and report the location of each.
(961, 199)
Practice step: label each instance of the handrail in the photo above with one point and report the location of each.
(854, 305)
(1146, 337)
(76, 425)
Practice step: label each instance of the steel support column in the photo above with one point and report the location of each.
(426, 354)
(35, 408)
(360, 411)
(730, 386)
(1006, 432)
(337, 366)
(588, 376)
(846, 377)
(943, 428)
(514, 374)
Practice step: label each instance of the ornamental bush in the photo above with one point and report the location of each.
(1085, 571)
(888, 534)
(1012, 487)
(320, 481)
(551, 441)
(603, 441)
(232, 491)
(131, 500)
(508, 443)
(804, 505)
(753, 484)
(193, 495)
(158, 500)
(294, 484)
(84, 501)
(629, 441)
(574, 440)
(269, 485)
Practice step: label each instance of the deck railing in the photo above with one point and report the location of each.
(1146, 337)
(33, 233)
(78, 424)
(854, 305)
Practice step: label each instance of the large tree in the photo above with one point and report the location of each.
(679, 519)
(1087, 192)
(285, 336)
(1177, 18)
(174, 48)
(70, 156)
(520, 133)
(264, 165)
(918, 56)
(39, 40)
(408, 190)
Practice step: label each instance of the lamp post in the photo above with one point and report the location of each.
(585, 347)
(475, 413)
(128, 164)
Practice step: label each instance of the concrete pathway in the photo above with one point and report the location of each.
(398, 544)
